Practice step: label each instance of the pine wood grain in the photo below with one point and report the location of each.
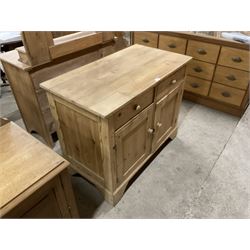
(104, 86)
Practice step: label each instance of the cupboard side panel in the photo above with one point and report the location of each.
(80, 137)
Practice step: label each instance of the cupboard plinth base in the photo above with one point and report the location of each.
(214, 104)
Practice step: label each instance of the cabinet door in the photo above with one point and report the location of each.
(166, 114)
(133, 144)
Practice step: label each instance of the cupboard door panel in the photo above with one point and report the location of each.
(166, 114)
(133, 143)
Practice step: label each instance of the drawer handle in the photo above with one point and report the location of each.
(226, 94)
(231, 77)
(236, 59)
(201, 51)
(159, 124)
(194, 85)
(173, 81)
(145, 40)
(172, 46)
(151, 131)
(137, 107)
(197, 69)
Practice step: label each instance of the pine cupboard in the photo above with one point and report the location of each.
(119, 110)
(218, 75)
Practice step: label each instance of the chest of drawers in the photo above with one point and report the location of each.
(117, 113)
(218, 75)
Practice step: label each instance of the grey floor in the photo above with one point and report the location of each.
(203, 173)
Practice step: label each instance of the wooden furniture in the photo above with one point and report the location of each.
(44, 57)
(119, 111)
(218, 75)
(34, 182)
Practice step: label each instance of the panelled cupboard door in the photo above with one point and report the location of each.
(166, 112)
(133, 143)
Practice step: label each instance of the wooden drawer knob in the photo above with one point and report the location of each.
(231, 77)
(201, 51)
(137, 107)
(236, 59)
(197, 69)
(151, 130)
(172, 46)
(225, 94)
(174, 81)
(145, 40)
(159, 124)
(194, 85)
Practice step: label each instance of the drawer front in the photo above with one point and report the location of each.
(171, 43)
(197, 85)
(146, 38)
(201, 69)
(235, 58)
(170, 83)
(226, 94)
(133, 108)
(203, 51)
(232, 77)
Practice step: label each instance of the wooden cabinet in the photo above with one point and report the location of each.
(219, 73)
(123, 108)
(34, 182)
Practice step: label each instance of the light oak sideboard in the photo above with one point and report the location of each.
(218, 75)
(117, 113)
(34, 182)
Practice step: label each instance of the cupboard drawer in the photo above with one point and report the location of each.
(133, 108)
(197, 85)
(226, 94)
(171, 43)
(232, 77)
(200, 69)
(235, 58)
(146, 38)
(171, 82)
(203, 51)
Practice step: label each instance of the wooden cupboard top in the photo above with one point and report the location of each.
(24, 161)
(104, 86)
